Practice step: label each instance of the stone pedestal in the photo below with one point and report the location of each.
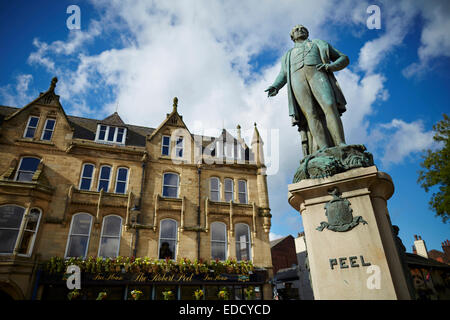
(354, 256)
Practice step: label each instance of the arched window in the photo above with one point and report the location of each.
(10, 220)
(214, 189)
(87, 174)
(110, 237)
(218, 240)
(104, 177)
(121, 180)
(228, 189)
(80, 231)
(167, 239)
(27, 168)
(170, 185)
(242, 242)
(242, 191)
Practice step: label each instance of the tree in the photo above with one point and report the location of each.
(437, 170)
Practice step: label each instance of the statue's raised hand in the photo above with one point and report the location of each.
(271, 91)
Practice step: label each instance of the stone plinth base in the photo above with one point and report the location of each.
(350, 244)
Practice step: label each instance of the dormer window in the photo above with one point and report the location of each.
(110, 134)
(31, 127)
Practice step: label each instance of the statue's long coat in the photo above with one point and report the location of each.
(327, 54)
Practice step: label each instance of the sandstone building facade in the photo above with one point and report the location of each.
(79, 187)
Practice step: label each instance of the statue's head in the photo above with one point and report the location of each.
(299, 32)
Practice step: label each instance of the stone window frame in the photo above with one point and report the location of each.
(20, 164)
(91, 178)
(245, 192)
(219, 184)
(119, 236)
(100, 177)
(28, 126)
(70, 234)
(225, 189)
(224, 242)
(177, 185)
(22, 229)
(248, 243)
(126, 181)
(171, 239)
(44, 129)
(163, 145)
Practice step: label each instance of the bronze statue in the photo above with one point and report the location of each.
(315, 99)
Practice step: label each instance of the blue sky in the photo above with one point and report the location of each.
(218, 57)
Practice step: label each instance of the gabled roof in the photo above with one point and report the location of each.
(172, 118)
(45, 98)
(113, 120)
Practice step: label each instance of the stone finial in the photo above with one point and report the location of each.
(175, 103)
(53, 84)
(238, 131)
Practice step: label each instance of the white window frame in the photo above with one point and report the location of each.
(117, 180)
(249, 243)
(114, 141)
(211, 190)
(176, 238)
(70, 234)
(119, 236)
(33, 239)
(20, 163)
(44, 129)
(164, 185)
(28, 126)
(163, 145)
(178, 148)
(81, 176)
(225, 189)
(225, 242)
(100, 177)
(246, 191)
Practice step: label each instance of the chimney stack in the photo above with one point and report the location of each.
(421, 248)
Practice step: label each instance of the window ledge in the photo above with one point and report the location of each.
(32, 140)
(112, 194)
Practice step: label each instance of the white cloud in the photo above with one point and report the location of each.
(19, 94)
(274, 236)
(400, 140)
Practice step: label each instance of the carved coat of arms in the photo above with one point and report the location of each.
(339, 214)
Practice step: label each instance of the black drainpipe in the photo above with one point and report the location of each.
(199, 171)
(138, 207)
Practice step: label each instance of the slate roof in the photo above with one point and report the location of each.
(85, 128)
(416, 260)
(273, 243)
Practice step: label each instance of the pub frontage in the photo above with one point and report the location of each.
(144, 279)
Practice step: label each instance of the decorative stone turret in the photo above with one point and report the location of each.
(261, 179)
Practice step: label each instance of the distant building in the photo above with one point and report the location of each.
(305, 289)
(284, 261)
(430, 271)
(291, 273)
